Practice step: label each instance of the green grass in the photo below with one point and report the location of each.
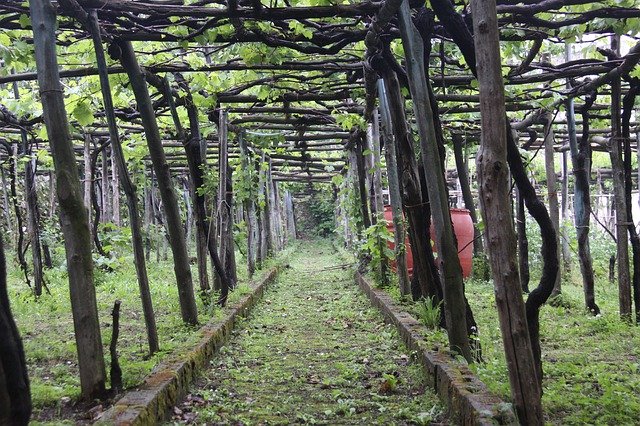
(313, 351)
(46, 328)
(591, 364)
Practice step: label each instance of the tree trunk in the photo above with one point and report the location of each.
(566, 252)
(174, 222)
(417, 211)
(523, 243)
(552, 191)
(377, 174)
(106, 200)
(225, 201)
(120, 168)
(395, 195)
(496, 210)
(359, 141)
(73, 215)
(581, 198)
(454, 303)
(15, 397)
(628, 104)
(463, 178)
(619, 194)
(250, 208)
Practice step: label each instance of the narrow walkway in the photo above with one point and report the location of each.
(313, 351)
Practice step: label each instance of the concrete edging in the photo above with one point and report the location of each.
(169, 380)
(467, 398)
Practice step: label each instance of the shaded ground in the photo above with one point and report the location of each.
(313, 351)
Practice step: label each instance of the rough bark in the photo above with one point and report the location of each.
(15, 397)
(552, 192)
(463, 178)
(453, 290)
(582, 199)
(225, 201)
(73, 215)
(115, 372)
(250, 211)
(628, 105)
(182, 269)
(195, 162)
(416, 210)
(130, 191)
(395, 194)
(523, 243)
(496, 210)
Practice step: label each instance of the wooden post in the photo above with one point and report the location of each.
(290, 216)
(87, 173)
(496, 208)
(566, 252)
(581, 203)
(115, 190)
(32, 210)
(15, 397)
(378, 202)
(617, 171)
(552, 191)
(73, 215)
(225, 200)
(450, 269)
(120, 168)
(250, 209)
(181, 266)
(395, 195)
(105, 205)
(463, 178)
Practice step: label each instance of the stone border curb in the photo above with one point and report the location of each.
(169, 380)
(468, 399)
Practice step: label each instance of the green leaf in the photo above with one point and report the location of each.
(83, 114)
(24, 21)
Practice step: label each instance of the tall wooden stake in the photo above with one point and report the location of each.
(450, 269)
(496, 211)
(395, 195)
(181, 266)
(73, 215)
(128, 187)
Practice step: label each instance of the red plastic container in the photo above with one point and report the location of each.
(463, 228)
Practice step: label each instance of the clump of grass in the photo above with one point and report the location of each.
(428, 312)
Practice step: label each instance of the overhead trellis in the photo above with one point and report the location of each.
(270, 91)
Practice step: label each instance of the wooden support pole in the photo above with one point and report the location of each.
(552, 191)
(617, 170)
(120, 168)
(249, 207)
(395, 194)
(496, 208)
(450, 269)
(73, 215)
(181, 266)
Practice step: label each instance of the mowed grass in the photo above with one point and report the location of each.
(46, 327)
(313, 351)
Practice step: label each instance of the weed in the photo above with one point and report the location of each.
(429, 312)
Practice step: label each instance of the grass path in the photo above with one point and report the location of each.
(313, 351)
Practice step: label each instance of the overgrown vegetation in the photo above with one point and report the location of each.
(52, 361)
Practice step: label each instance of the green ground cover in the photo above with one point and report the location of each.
(591, 364)
(47, 330)
(313, 351)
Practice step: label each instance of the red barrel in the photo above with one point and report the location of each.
(462, 227)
